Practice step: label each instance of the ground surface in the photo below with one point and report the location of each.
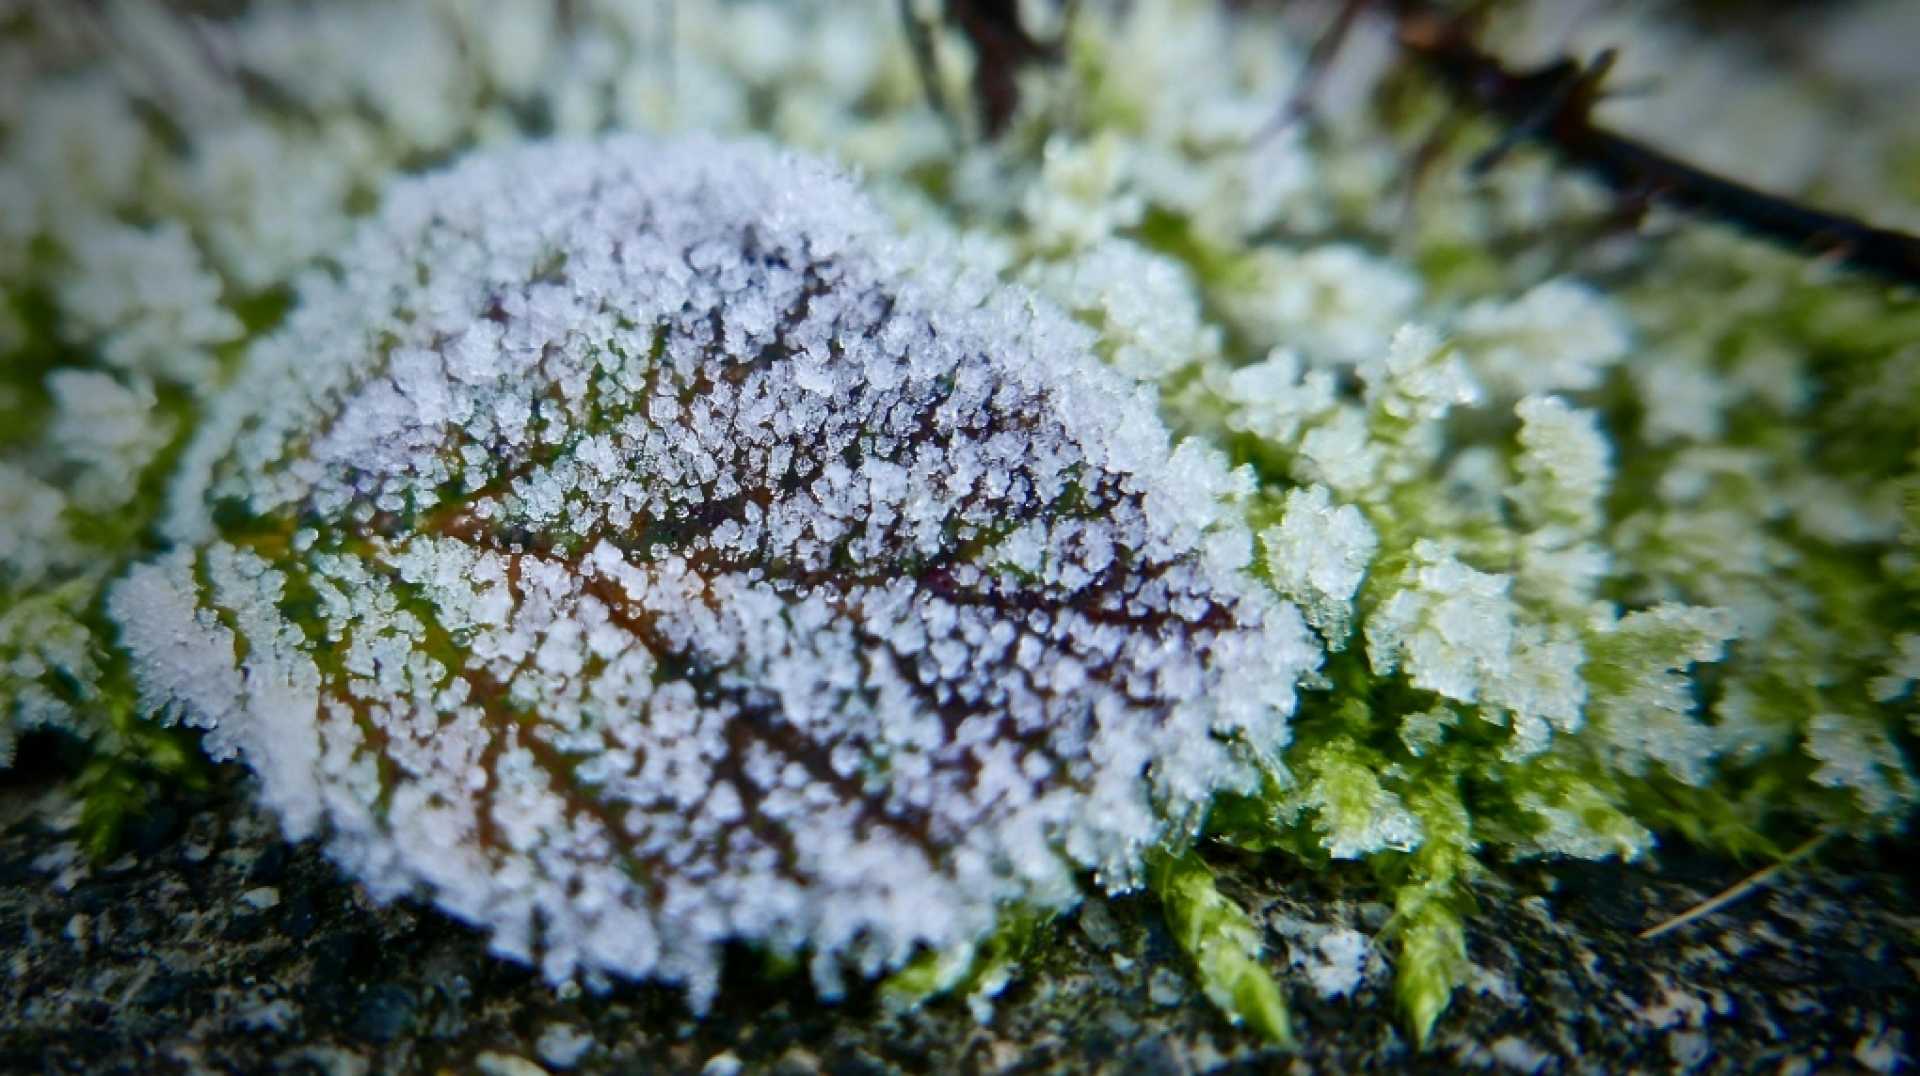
(212, 946)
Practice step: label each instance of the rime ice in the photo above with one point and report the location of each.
(634, 546)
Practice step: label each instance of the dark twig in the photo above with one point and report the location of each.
(1001, 47)
(1314, 69)
(1553, 106)
(921, 42)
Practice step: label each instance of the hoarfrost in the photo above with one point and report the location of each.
(1338, 962)
(638, 548)
(1861, 758)
(1317, 556)
(1561, 335)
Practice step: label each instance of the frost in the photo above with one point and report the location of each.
(1317, 555)
(1903, 669)
(1354, 812)
(563, 1045)
(82, 142)
(1684, 400)
(638, 548)
(1458, 633)
(1642, 698)
(1558, 336)
(1274, 398)
(1861, 759)
(33, 531)
(1564, 466)
(1149, 316)
(147, 297)
(110, 431)
(271, 202)
(1078, 200)
(1452, 628)
(1564, 470)
(477, 531)
(1338, 962)
(42, 642)
(1575, 818)
(1336, 303)
(1416, 379)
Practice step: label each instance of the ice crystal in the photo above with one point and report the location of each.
(1317, 555)
(636, 547)
(1558, 336)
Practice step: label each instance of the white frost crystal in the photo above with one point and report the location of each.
(109, 430)
(635, 546)
(1458, 633)
(1861, 758)
(1317, 555)
(146, 295)
(1558, 336)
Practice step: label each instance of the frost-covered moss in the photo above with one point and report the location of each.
(1604, 537)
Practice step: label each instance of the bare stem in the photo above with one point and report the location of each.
(1757, 880)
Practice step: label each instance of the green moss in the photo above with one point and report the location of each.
(1223, 942)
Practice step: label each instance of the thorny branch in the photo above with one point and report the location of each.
(1552, 106)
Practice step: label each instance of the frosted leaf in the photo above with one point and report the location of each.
(1317, 555)
(1561, 335)
(637, 548)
